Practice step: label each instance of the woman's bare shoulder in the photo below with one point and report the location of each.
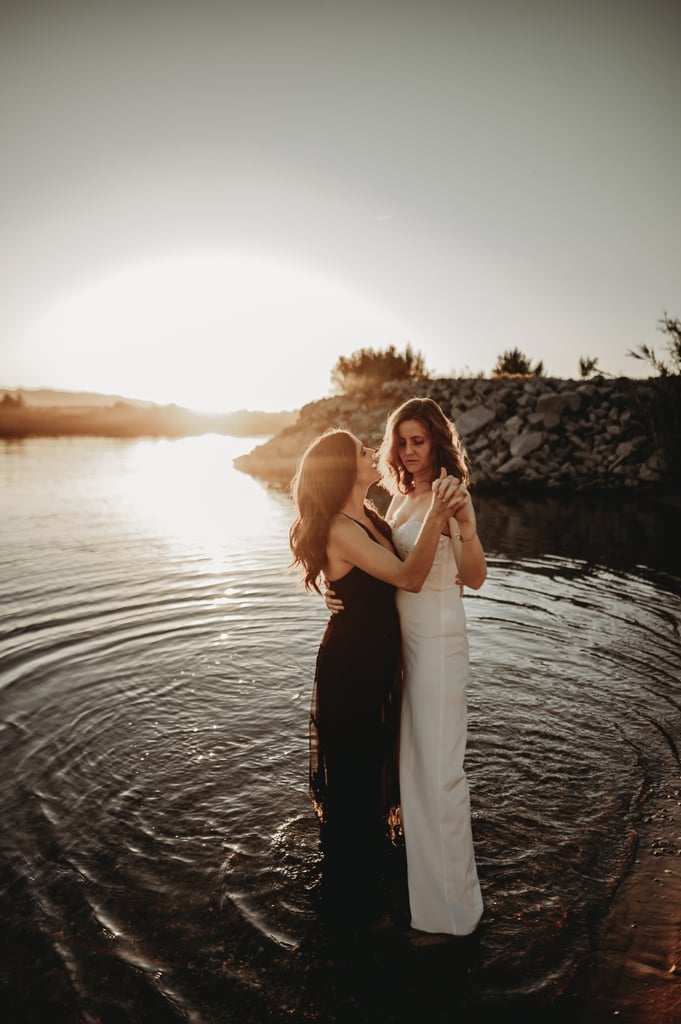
(339, 522)
(343, 530)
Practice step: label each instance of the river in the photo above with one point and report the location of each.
(159, 858)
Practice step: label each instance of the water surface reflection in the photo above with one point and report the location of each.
(159, 857)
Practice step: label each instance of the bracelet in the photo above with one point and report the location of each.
(465, 540)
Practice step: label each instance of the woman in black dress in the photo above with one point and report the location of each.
(355, 704)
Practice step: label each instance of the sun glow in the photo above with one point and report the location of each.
(212, 331)
(186, 494)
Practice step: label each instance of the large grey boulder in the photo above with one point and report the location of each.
(477, 417)
(525, 444)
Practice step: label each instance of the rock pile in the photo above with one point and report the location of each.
(528, 432)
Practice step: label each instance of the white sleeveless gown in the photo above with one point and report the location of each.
(444, 891)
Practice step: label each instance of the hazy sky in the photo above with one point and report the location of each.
(209, 202)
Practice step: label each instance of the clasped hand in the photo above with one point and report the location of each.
(451, 493)
(454, 494)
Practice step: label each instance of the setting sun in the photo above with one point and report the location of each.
(212, 331)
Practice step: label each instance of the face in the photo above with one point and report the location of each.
(367, 472)
(415, 448)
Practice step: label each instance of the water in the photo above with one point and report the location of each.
(159, 858)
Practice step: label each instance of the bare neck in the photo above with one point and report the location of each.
(421, 485)
(354, 506)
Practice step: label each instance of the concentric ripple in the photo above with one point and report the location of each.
(159, 852)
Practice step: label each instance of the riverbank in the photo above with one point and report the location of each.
(20, 419)
(519, 432)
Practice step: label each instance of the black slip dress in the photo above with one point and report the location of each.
(354, 725)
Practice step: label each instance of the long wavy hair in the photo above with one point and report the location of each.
(322, 483)
(449, 451)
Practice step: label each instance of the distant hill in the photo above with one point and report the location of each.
(43, 412)
(45, 397)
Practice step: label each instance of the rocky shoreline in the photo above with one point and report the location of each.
(521, 432)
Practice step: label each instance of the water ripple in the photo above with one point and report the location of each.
(153, 715)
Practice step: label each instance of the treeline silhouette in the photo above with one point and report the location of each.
(20, 419)
(367, 368)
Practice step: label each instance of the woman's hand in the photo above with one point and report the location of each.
(463, 511)
(333, 603)
(444, 495)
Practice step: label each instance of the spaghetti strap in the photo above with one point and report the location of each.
(352, 520)
(365, 528)
(378, 522)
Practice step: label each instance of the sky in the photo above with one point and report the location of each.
(208, 203)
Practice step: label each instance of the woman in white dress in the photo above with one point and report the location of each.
(444, 891)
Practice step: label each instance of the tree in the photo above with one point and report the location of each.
(587, 366)
(368, 368)
(672, 328)
(513, 362)
(12, 401)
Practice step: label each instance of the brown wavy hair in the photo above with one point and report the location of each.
(449, 451)
(323, 480)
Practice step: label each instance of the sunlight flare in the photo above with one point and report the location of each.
(211, 330)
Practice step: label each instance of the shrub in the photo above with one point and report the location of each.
(587, 366)
(515, 363)
(671, 326)
(368, 368)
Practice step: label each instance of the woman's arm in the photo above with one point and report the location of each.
(349, 544)
(470, 558)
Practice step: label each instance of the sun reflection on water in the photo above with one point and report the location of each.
(188, 494)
